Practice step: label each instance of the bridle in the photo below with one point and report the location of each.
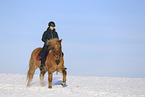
(56, 53)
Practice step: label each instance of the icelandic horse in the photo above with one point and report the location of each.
(54, 62)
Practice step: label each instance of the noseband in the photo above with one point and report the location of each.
(54, 52)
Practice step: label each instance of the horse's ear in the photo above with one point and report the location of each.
(60, 40)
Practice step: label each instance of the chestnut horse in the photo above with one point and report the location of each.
(54, 62)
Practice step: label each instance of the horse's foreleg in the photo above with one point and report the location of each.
(42, 78)
(64, 73)
(50, 80)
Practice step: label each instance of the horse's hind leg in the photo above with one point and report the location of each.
(32, 68)
(30, 76)
(42, 78)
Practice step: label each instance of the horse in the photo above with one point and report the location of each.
(54, 62)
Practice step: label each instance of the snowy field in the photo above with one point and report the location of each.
(14, 85)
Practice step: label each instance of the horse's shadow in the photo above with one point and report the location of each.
(57, 81)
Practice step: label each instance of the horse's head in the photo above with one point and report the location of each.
(55, 46)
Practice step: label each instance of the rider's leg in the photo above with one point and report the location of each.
(43, 57)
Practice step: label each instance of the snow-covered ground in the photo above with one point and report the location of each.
(14, 85)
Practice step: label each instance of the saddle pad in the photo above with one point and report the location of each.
(39, 57)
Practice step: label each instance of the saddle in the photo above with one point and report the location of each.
(38, 57)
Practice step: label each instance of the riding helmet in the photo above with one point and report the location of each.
(51, 23)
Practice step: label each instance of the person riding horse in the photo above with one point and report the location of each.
(54, 60)
(50, 33)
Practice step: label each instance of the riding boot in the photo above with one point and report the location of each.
(41, 67)
(43, 57)
(65, 68)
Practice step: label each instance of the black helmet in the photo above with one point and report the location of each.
(51, 23)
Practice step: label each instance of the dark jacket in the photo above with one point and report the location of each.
(49, 34)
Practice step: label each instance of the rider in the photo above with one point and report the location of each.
(47, 35)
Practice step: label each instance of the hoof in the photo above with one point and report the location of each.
(63, 84)
(50, 87)
(42, 84)
(28, 85)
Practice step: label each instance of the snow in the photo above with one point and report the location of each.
(14, 85)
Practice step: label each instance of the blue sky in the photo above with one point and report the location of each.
(100, 37)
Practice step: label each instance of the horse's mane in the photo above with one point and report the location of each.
(52, 41)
